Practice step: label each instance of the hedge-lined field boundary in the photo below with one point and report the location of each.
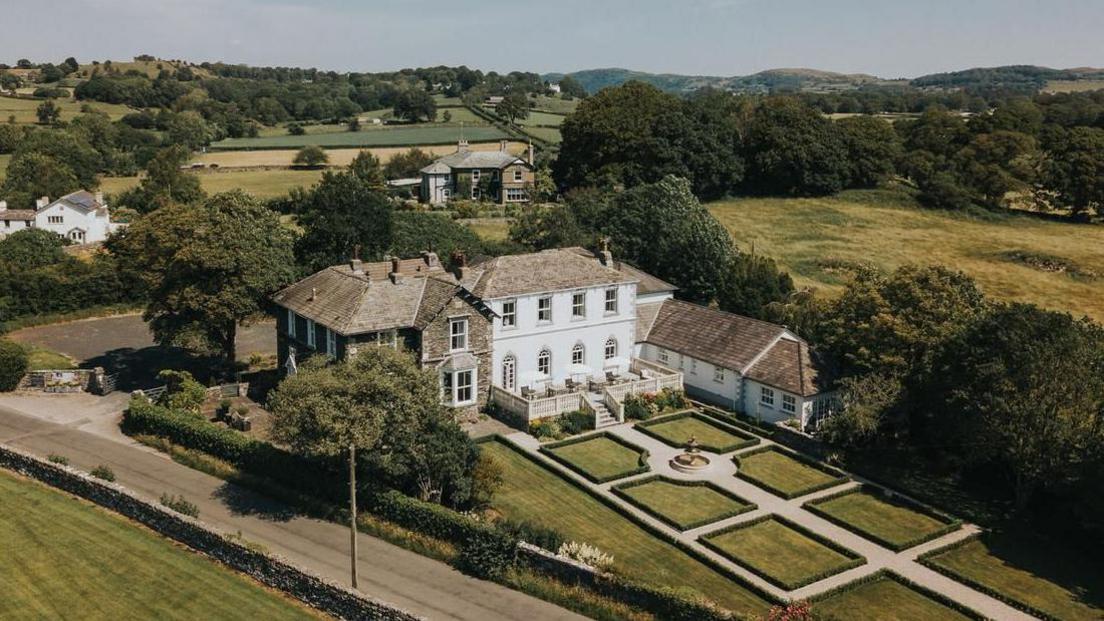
(951, 524)
(746, 440)
(927, 560)
(855, 559)
(885, 574)
(642, 462)
(840, 476)
(620, 490)
(644, 524)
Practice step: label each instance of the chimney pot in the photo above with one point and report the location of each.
(3, 205)
(396, 277)
(357, 266)
(42, 202)
(430, 258)
(314, 293)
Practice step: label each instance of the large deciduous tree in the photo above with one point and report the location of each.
(343, 212)
(792, 149)
(1022, 388)
(1073, 171)
(415, 105)
(209, 267)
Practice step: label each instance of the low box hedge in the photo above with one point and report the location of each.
(620, 491)
(746, 440)
(855, 559)
(951, 524)
(925, 559)
(840, 476)
(650, 528)
(885, 574)
(642, 465)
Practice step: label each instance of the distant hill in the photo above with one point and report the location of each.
(1015, 77)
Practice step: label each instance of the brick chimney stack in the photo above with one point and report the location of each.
(460, 265)
(396, 277)
(42, 202)
(430, 259)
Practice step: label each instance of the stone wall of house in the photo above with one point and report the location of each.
(268, 569)
(435, 342)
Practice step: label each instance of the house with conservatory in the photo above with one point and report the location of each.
(550, 332)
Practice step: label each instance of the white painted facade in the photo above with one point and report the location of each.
(78, 225)
(525, 340)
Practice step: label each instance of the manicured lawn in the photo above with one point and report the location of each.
(371, 137)
(531, 492)
(599, 458)
(885, 522)
(779, 553)
(682, 504)
(65, 558)
(780, 474)
(260, 183)
(555, 104)
(711, 435)
(817, 240)
(1064, 583)
(884, 599)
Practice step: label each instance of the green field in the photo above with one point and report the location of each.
(779, 553)
(370, 137)
(460, 115)
(817, 239)
(783, 475)
(259, 183)
(682, 504)
(1059, 582)
(711, 436)
(65, 558)
(895, 524)
(24, 109)
(554, 104)
(599, 458)
(551, 134)
(884, 599)
(531, 492)
(545, 119)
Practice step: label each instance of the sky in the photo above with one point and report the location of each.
(887, 38)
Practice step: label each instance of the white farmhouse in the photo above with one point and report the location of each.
(81, 217)
(549, 332)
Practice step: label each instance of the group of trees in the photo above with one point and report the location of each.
(1009, 396)
(663, 229)
(1047, 151)
(722, 144)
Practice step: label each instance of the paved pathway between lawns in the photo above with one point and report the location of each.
(722, 473)
(85, 431)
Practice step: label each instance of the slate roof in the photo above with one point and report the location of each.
(547, 270)
(351, 302)
(81, 199)
(645, 319)
(17, 214)
(646, 283)
(473, 159)
(736, 342)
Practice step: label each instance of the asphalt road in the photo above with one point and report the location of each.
(123, 344)
(84, 431)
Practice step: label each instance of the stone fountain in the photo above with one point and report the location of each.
(690, 460)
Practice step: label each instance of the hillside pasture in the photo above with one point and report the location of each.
(554, 104)
(390, 136)
(24, 109)
(551, 134)
(1073, 86)
(819, 241)
(261, 183)
(541, 119)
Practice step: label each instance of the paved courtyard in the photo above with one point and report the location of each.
(722, 473)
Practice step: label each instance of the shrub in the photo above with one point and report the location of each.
(545, 429)
(637, 408)
(182, 392)
(531, 533)
(54, 458)
(488, 554)
(13, 365)
(585, 554)
(103, 472)
(180, 505)
(575, 422)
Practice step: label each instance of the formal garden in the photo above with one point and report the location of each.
(785, 473)
(781, 552)
(886, 596)
(711, 435)
(685, 505)
(599, 457)
(883, 518)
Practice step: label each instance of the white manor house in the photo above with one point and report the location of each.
(81, 217)
(550, 332)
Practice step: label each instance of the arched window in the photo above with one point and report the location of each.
(578, 354)
(509, 372)
(544, 362)
(611, 348)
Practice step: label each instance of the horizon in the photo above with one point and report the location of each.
(703, 37)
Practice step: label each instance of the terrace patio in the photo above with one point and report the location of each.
(603, 399)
